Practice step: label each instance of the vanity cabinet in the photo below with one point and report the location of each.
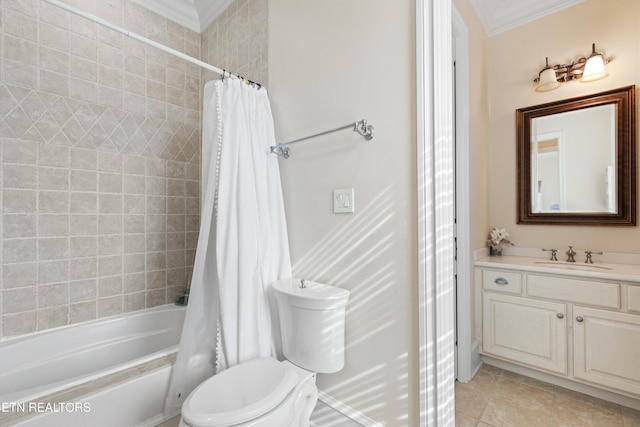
(606, 348)
(529, 331)
(578, 328)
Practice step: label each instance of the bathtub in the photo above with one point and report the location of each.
(122, 356)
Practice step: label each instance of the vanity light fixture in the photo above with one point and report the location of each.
(583, 69)
(594, 68)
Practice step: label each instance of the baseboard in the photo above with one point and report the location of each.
(345, 412)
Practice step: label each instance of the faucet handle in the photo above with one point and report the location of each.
(570, 254)
(589, 260)
(553, 253)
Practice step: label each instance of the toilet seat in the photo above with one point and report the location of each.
(240, 393)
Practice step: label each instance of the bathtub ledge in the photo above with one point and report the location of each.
(74, 393)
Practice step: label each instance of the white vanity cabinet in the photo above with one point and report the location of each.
(583, 328)
(606, 347)
(529, 331)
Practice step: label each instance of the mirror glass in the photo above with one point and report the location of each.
(576, 160)
(567, 177)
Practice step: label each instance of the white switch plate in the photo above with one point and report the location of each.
(343, 201)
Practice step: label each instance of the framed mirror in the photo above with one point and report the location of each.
(577, 160)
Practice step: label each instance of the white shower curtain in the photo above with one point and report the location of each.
(242, 246)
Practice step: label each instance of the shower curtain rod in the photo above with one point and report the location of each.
(361, 127)
(145, 40)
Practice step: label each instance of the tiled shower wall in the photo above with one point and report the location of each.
(100, 150)
(237, 41)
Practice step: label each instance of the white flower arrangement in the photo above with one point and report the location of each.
(498, 239)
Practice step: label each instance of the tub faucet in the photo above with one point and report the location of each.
(570, 254)
(183, 299)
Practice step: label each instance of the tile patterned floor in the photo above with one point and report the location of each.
(497, 398)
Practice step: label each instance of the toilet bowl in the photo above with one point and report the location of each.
(258, 393)
(267, 392)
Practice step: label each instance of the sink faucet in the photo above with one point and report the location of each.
(589, 260)
(570, 254)
(553, 253)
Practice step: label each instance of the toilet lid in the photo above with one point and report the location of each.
(240, 393)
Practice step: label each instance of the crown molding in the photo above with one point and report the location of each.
(498, 16)
(195, 15)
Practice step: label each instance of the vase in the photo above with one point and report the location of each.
(495, 252)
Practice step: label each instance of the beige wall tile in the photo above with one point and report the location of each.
(18, 300)
(94, 132)
(134, 263)
(19, 323)
(109, 286)
(134, 282)
(20, 25)
(82, 290)
(53, 225)
(52, 248)
(109, 306)
(83, 225)
(83, 246)
(19, 250)
(53, 317)
(156, 297)
(53, 295)
(53, 155)
(82, 312)
(19, 176)
(83, 202)
(15, 201)
(53, 272)
(83, 268)
(53, 202)
(23, 152)
(132, 302)
(19, 225)
(53, 178)
(110, 224)
(19, 275)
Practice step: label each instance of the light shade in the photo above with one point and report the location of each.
(547, 81)
(594, 68)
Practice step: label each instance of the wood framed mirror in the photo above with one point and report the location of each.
(577, 160)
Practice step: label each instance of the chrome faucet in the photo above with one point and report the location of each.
(553, 253)
(589, 260)
(570, 254)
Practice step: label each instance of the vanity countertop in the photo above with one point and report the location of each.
(598, 270)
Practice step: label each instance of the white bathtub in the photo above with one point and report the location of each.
(87, 358)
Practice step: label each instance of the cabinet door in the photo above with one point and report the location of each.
(527, 331)
(607, 348)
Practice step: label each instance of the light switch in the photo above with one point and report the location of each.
(343, 201)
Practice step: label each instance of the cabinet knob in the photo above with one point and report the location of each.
(580, 319)
(501, 281)
(560, 316)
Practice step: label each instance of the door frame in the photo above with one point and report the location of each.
(435, 181)
(465, 369)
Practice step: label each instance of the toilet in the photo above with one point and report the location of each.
(267, 392)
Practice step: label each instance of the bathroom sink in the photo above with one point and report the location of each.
(572, 265)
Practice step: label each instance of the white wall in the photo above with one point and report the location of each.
(331, 63)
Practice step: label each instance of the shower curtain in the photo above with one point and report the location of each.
(242, 247)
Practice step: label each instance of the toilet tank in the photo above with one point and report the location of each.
(312, 324)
